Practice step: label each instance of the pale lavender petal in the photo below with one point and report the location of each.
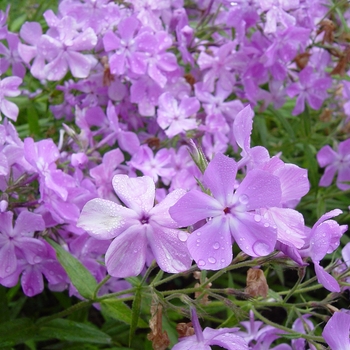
(259, 189)
(346, 254)
(104, 219)
(31, 32)
(220, 178)
(193, 207)
(328, 176)
(138, 62)
(314, 101)
(328, 281)
(126, 256)
(6, 223)
(343, 148)
(189, 106)
(320, 242)
(128, 141)
(33, 249)
(8, 259)
(336, 331)
(156, 75)
(299, 105)
(290, 226)
(136, 193)
(128, 27)
(79, 64)
(27, 223)
(211, 245)
(117, 63)
(242, 127)
(56, 69)
(170, 252)
(84, 41)
(160, 213)
(228, 341)
(32, 281)
(343, 179)
(328, 215)
(253, 234)
(111, 41)
(9, 109)
(10, 85)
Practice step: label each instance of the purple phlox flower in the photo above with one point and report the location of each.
(311, 88)
(127, 140)
(145, 92)
(18, 242)
(99, 15)
(283, 49)
(149, 11)
(336, 331)
(253, 329)
(137, 227)
(103, 173)
(266, 339)
(324, 238)
(9, 87)
(218, 66)
(65, 110)
(117, 90)
(11, 57)
(63, 51)
(153, 165)
(231, 215)
(32, 274)
(214, 143)
(346, 96)
(132, 45)
(276, 13)
(186, 172)
(335, 162)
(42, 155)
(3, 20)
(305, 326)
(176, 118)
(226, 338)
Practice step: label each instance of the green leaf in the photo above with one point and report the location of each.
(16, 332)
(73, 331)
(119, 311)
(33, 120)
(135, 313)
(81, 278)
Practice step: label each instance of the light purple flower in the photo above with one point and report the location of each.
(335, 162)
(136, 228)
(9, 87)
(336, 331)
(176, 118)
(226, 338)
(311, 88)
(230, 215)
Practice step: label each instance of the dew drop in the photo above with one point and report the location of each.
(8, 269)
(201, 262)
(266, 224)
(244, 199)
(198, 233)
(182, 236)
(198, 240)
(261, 248)
(216, 245)
(222, 261)
(212, 260)
(37, 259)
(257, 218)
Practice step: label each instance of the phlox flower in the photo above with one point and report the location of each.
(136, 228)
(231, 216)
(336, 331)
(335, 162)
(9, 87)
(226, 338)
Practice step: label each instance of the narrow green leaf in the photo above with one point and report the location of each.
(16, 24)
(135, 314)
(120, 311)
(284, 121)
(33, 120)
(16, 332)
(73, 331)
(81, 278)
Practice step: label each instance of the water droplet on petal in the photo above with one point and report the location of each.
(8, 269)
(37, 259)
(222, 261)
(216, 245)
(201, 262)
(244, 199)
(257, 218)
(212, 260)
(182, 236)
(261, 248)
(198, 240)
(198, 233)
(266, 224)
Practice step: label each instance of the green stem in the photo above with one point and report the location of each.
(100, 285)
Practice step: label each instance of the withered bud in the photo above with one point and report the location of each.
(159, 339)
(153, 142)
(190, 79)
(326, 115)
(185, 329)
(256, 283)
(302, 60)
(328, 27)
(340, 68)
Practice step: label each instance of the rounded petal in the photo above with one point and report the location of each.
(126, 256)
(211, 245)
(336, 331)
(170, 251)
(8, 259)
(328, 281)
(79, 64)
(104, 219)
(220, 177)
(136, 193)
(9, 109)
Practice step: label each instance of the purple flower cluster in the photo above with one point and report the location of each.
(119, 189)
